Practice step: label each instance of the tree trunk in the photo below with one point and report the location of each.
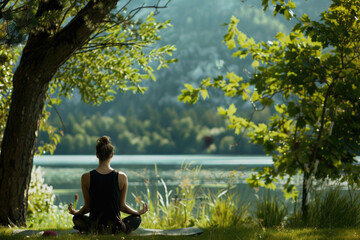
(305, 191)
(18, 145)
(41, 58)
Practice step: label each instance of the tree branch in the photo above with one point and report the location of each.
(103, 46)
(322, 122)
(127, 19)
(76, 32)
(64, 17)
(2, 6)
(156, 7)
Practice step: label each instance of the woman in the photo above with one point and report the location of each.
(104, 190)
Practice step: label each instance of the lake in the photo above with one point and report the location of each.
(212, 172)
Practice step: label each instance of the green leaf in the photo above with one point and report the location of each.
(280, 36)
(271, 186)
(242, 54)
(221, 111)
(291, 4)
(231, 43)
(231, 110)
(280, 109)
(255, 64)
(255, 96)
(254, 182)
(189, 86)
(204, 93)
(265, 4)
(290, 192)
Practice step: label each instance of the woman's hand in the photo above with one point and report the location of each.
(71, 209)
(144, 209)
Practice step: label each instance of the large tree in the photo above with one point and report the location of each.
(96, 46)
(311, 79)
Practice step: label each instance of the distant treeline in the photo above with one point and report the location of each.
(153, 131)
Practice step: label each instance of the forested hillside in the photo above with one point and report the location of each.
(155, 122)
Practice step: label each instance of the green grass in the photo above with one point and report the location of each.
(239, 233)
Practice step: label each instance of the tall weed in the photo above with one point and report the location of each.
(270, 211)
(334, 208)
(226, 210)
(330, 207)
(172, 209)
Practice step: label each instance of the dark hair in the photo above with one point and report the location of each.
(104, 148)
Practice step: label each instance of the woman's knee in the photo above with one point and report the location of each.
(81, 222)
(78, 218)
(138, 219)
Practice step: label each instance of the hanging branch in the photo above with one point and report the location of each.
(128, 18)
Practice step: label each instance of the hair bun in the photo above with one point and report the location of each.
(104, 140)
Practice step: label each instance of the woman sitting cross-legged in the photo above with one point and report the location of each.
(104, 190)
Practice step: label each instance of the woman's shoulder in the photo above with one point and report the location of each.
(85, 175)
(121, 177)
(121, 174)
(85, 178)
(122, 180)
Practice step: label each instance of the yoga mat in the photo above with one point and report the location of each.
(172, 232)
(28, 232)
(138, 232)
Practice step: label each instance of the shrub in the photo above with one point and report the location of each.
(42, 213)
(40, 196)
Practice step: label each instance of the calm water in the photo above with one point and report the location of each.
(126, 160)
(213, 173)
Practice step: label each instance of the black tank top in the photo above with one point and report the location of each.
(104, 198)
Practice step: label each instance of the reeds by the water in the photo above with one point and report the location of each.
(190, 205)
(331, 207)
(270, 211)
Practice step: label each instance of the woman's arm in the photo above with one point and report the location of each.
(85, 186)
(123, 186)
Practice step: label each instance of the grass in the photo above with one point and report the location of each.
(238, 233)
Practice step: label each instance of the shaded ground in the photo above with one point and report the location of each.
(243, 233)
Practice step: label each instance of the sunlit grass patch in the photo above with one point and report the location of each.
(314, 234)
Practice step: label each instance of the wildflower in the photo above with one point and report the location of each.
(76, 200)
(49, 233)
(76, 197)
(138, 199)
